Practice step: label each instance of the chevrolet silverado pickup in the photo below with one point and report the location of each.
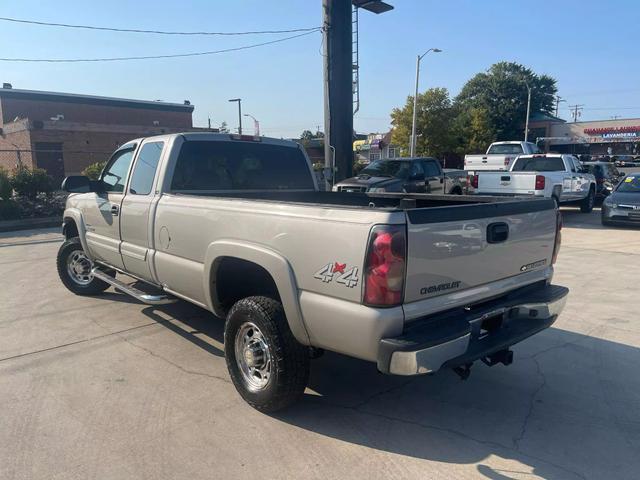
(410, 175)
(415, 283)
(499, 156)
(556, 176)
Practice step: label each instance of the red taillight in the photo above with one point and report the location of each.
(539, 182)
(507, 161)
(385, 266)
(473, 181)
(558, 240)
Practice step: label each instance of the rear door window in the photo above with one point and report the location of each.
(237, 165)
(145, 169)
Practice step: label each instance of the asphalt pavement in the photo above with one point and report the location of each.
(107, 388)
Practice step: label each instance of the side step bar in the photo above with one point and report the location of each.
(147, 298)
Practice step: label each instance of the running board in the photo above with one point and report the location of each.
(147, 298)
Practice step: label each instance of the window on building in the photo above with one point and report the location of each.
(114, 176)
(374, 156)
(393, 152)
(145, 170)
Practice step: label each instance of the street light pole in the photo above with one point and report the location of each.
(239, 100)
(526, 125)
(412, 146)
(256, 124)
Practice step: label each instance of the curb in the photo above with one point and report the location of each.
(29, 223)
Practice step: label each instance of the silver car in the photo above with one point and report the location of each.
(623, 205)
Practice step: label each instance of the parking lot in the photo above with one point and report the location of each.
(107, 388)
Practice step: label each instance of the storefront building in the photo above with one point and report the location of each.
(601, 137)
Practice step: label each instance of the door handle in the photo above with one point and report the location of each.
(115, 210)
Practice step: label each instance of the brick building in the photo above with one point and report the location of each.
(64, 133)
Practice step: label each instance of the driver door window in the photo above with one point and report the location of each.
(114, 176)
(434, 181)
(416, 183)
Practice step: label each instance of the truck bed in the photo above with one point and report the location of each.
(381, 201)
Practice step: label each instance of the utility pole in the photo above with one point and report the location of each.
(412, 147)
(576, 111)
(239, 100)
(526, 124)
(558, 100)
(338, 104)
(337, 35)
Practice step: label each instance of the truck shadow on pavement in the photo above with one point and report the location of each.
(569, 406)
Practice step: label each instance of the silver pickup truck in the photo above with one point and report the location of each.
(236, 225)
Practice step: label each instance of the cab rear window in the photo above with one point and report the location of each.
(538, 164)
(222, 165)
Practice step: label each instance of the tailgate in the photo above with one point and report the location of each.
(486, 162)
(454, 248)
(507, 183)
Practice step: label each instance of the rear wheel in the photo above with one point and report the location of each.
(267, 365)
(586, 206)
(74, 269)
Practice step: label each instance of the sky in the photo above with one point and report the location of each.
(589, 47)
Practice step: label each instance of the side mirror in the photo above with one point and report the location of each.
(77, 184)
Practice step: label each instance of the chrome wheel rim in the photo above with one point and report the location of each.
(79, 267)
(253, 356)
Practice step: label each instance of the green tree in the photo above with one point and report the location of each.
(5, 185)
(309, 135)
(434, 121)
(497, 100)
(94, 170)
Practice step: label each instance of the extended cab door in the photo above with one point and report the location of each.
(102, 212)
(137, 210)
(433, 176)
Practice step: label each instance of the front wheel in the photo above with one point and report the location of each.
(586, 206)
(74, 269)
(267, 365)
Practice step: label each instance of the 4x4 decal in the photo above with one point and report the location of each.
(339, 272)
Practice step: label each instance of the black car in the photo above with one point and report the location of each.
(607, 177)
(410, 175)
(623, 205)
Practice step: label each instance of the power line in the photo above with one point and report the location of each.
(149, 57)
(155, 32)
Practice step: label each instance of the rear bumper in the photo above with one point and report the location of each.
(461, 336)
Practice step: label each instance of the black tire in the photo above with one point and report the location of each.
(91, 286)
(456, 191)
(289, 360)
(586, 205)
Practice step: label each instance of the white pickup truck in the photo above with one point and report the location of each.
(499, 156)
(415, 283)
(556, 176)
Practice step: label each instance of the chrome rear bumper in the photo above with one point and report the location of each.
(462, 336)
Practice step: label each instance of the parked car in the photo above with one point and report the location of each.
(556, 176)
(623, 160)
(607, 177)
(499, 156)
(237, 225)
(410, 175)
(622, 207)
